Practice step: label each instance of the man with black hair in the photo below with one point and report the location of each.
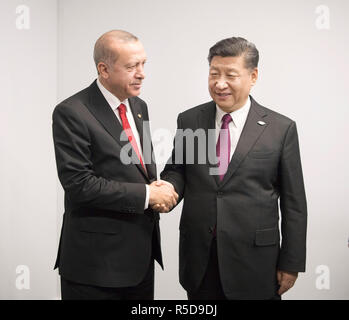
(229, 230)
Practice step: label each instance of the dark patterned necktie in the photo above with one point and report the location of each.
(223, 146)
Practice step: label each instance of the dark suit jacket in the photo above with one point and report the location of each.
(107, 235)
(265, 168)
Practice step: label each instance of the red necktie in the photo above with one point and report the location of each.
(127, 129)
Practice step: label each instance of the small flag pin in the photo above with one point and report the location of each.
(261, 123)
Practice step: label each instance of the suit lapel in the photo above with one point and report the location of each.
(137, 116)
(101, 110)
(142, 124)
(207, 121)
(249, 135)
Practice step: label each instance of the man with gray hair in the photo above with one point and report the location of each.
(229, 229)
(110, 234)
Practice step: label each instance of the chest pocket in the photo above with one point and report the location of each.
(262, 154)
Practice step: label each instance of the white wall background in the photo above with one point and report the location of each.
(28, 206)
(303, 74)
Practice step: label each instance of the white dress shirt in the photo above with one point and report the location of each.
(114, 103)
(235, 127)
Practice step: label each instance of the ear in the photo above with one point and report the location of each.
(103, 70)
(254, 76)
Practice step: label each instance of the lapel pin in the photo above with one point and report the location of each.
(139, 115)
(261, 123)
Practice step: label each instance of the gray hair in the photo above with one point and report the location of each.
(103, 51)
(236, 47)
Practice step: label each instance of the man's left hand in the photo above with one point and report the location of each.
(286, 280)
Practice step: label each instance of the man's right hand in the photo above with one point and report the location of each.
(162, 196)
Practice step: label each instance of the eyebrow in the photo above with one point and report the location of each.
(228, 69)
(232, 69)
(130, 64)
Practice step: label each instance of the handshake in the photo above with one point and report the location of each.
(162, 196)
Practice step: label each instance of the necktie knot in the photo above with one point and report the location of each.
(225, 120)
(122, 108)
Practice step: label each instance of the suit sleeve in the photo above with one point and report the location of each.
(82, 187)
(175, 172)
(293, 206)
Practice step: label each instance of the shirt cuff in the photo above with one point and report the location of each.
(146, 197)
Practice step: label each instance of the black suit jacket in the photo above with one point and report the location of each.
(107, 237)
(264, 169)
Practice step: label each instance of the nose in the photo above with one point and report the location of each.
(221, 84)
(140, 72)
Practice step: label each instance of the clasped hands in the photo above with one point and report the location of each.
(162, 196)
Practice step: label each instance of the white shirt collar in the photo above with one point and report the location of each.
(113, 101)
(239, 116)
